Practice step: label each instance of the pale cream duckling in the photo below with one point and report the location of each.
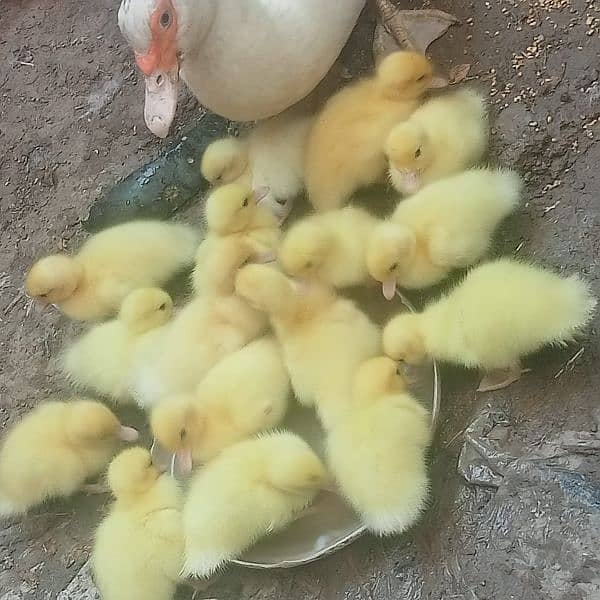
(235, 210)
(92, 284)
(445, 135)
(330, 247)
(314, 327)
(345, 148)
(54, 450)
(138, 547)
(226, 161)
(500, 312)
(102, 359)
(271, 156)
(447, 225)
(251, 489)
(377, 454)
(245, 393)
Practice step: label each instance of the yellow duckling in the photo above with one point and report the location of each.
(54, 449)
(138, 547)
(330, 247)
(245, 393)
(103, 358)
(251, 489)
(346, 145)
(377, 454)
(447, 225)
(500, 312)
(445, 135)
(235, 210)
(92, 284)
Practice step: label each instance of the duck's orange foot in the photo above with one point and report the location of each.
(409, 29)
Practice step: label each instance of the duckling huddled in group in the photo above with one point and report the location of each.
(313, 325)
(445, 135)
(235, 211)
(245, 393)
(92, 284)
(377, 453)
(103, 358)
(501, 311)
(217, 373)
(253, 488)
(271, 156)
(54, 450)
(445, 226)
(138, 547)
(329, 247)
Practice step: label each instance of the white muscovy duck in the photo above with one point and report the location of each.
(252, 59)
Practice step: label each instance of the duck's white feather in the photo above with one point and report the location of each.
(251, 60)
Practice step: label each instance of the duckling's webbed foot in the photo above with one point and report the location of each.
(501, 378)
(410, 29)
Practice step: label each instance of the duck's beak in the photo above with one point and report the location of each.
(161, 100)
(160, 64)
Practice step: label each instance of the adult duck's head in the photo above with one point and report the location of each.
(163, 33)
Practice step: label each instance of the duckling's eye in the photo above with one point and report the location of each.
(393, 267)
(418, 153)
(163, 306)
(218, 177)
(421, 78)
(245, 202)
(165, 20)
(182, 434)
(309, 265)
(42, 295)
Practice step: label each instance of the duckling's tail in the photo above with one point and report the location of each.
(406, 512)
(202, 564)
(509, 189)
(579, 306)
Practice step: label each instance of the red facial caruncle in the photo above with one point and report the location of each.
(162, 53)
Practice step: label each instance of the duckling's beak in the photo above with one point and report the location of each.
(279, 207)
(438, 81)
(183, 461)
(411, 180)
(41, 306)
(266, 257)
(128, 434)
(410, 373)
(389, 288)
(261, 193)
(161, 100)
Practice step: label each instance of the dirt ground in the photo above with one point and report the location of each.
(71, 126)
